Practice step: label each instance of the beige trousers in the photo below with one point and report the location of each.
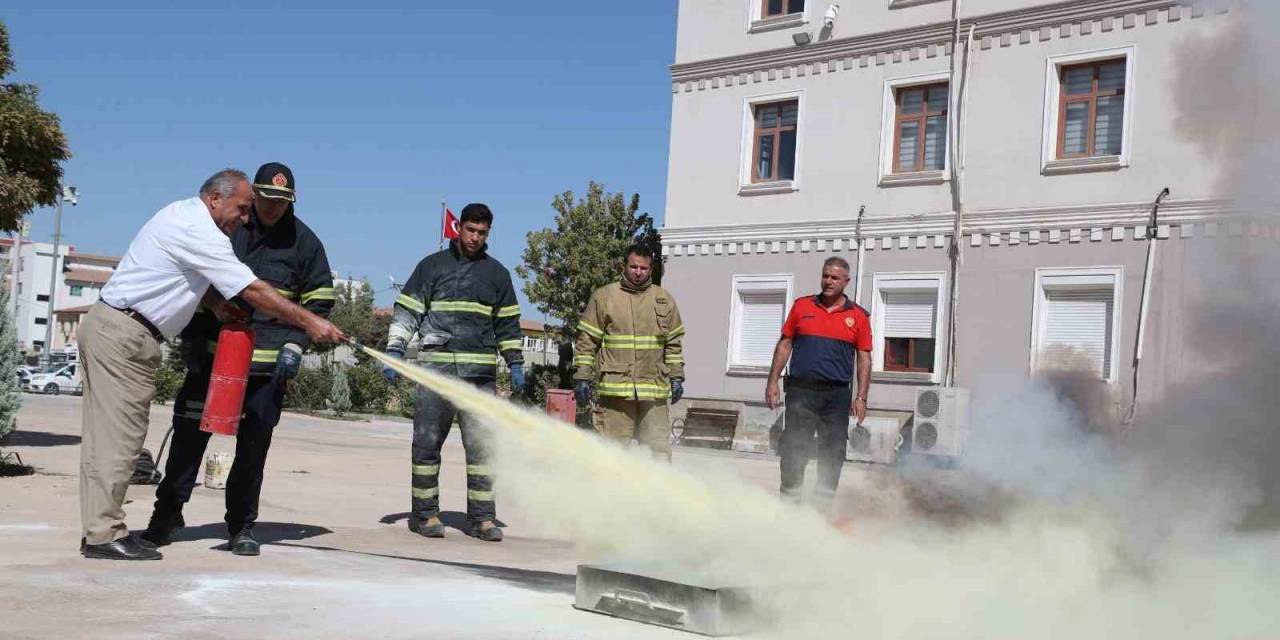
(646, 421)
(119, 358)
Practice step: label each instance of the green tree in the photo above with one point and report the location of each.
(340, 394)
(564, 264)
(32, 146)
(10, 360)
(354, 313)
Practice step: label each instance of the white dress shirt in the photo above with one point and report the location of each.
(170, 265)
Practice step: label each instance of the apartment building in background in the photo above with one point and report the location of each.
(78, 285)
(794, 139)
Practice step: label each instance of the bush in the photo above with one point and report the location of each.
(340, 393)
(169, 376)
(370, 392)
(310, 389)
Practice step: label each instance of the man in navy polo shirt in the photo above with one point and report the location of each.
(822, 337)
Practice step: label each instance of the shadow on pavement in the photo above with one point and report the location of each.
(39, 439)
(542, 581)
(265, 532)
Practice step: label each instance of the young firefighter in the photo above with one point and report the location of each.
(460, 304)
(631, 333)
(284, 252)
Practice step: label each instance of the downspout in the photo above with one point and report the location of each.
(857, 234)
(954, 144)
(1152, 229)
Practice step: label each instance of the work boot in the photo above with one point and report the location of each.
(486, 530)
(430, 528)
(243, 543)
(160, 529)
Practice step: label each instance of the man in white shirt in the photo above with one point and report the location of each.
(180, 258)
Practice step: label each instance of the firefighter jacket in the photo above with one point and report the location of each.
(289, 257)
(632, 336)
(462, 311)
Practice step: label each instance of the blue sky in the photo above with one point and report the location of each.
(381, 109)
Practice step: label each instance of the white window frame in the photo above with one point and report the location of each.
(758, 23)
(746, 148)
(899, 4)
(1049, 162)
(1081, 278)
(758, 282)
(899, 280)
(888, 125)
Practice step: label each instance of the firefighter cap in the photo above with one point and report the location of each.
(274, 180)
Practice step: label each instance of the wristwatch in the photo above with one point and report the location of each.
(857, 398)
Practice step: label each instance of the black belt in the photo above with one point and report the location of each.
(142, 320)
(815, 383)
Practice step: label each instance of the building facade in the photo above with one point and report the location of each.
(81, 277)
(795, 138)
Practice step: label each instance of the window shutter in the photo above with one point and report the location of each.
(1077, 331)
(761, 325)
(910, 314)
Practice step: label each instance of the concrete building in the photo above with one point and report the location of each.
(785, 126)
(538, 346)
(79, 285)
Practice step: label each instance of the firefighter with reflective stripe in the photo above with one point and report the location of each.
(631, 334)
(284, 252)
(461, 307)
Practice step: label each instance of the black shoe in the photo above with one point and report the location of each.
(430, 528)
(161, 528)
(244, 544)
(486, 530)
(126, 548)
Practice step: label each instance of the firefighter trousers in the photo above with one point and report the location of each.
(262, 402)
(432, 420)
(623, 420)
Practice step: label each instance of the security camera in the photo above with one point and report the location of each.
(829, 18)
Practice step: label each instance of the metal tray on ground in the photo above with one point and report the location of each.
(659, 598)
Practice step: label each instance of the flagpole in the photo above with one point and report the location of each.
(444, 221)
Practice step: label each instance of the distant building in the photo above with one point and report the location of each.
(538, 347)
(79, 285)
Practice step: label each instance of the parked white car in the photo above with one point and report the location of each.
(63, 379)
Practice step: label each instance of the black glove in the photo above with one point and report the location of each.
(288, 362)
(582, 392)
(387, 372)
(677, 389)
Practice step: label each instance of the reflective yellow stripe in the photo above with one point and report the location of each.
(639, 390)
(591, 329)
(265, 355)
(426, 494)
(322, 293)
(584, 361)
(627, 341)
(411, 303)
(458, 358)
(426, 469)
(483, 496)
(676, 332)
(478, 470)
(460, 306)
(674, 360)
(507, 312)
(507, 345)
(285, 293)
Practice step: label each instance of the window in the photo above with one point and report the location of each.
(1091, 111)
(773, 8)
(920, 128)
(1075, 320)
(77, 290)
(40, 297)
(1088, 110)
(905, 324)
(759, 307)
(774, 149)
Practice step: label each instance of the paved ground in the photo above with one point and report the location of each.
(339, 562)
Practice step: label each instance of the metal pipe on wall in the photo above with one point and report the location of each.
(1152, 230)
(857, 234)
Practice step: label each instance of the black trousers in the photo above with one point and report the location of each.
(262, 402)
(432, 420)
(810, 410)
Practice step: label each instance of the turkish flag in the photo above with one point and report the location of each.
(450, 225)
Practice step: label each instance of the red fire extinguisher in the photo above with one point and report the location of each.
(225, 400)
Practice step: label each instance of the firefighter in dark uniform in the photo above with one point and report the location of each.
(283, 251)
(461, 305)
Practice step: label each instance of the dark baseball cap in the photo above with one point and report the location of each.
(274, 180)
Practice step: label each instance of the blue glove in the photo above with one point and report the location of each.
(582, 392)
(517, 379)
(389, 373)
(288, 362)
(677, 390)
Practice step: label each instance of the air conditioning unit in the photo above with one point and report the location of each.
(875, 440)
(941, 422)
